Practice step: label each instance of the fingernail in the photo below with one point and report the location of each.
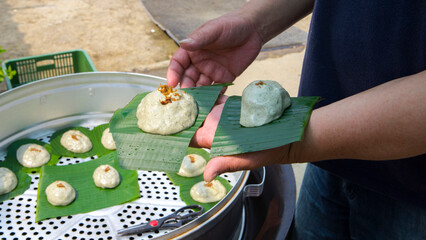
(215, 176)
(211, 179)
(186, 40)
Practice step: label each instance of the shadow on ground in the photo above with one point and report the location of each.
(11, 38)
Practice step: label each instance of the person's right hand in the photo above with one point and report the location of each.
(217, 52)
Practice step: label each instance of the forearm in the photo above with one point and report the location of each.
(384, 123)
(271, 17)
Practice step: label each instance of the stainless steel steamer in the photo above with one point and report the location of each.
(38, 109)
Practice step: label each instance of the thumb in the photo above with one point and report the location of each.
(219, 165)
(245, 161)
(201, 37)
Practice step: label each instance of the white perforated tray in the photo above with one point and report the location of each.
(159, 197)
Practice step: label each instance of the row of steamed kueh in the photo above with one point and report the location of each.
(34, 155)
(61, 193)
(192, 165)
(75, 141)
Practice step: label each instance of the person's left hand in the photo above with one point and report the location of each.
(247, 161)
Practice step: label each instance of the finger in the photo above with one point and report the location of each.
(197, 139)
(223, 90)
(219, 165)
(245, 161)
(187, 82)
(190, 77)
(221, 99)
(203, 81)
(179, 62)
(192, 73)
(203, 137)
(202, 36)
(174, 73)
(214, 70)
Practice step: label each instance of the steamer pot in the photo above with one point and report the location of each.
(37, 109)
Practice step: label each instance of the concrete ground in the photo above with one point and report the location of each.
(119, 36)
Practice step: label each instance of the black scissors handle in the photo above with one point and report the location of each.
(179, 217)
(179, 213)
(174, 220)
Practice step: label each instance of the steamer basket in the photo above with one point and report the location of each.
(38, 109)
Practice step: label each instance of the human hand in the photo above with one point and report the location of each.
(217, 52)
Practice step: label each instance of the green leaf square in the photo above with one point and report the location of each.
(24, 180)
(13, 148)
(185, 183)
(58, 149)
(89, 196)
(177, 179)
(96, 134)
(185, 188)
(231, 138)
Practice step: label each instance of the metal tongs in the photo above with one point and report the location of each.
(174, 220)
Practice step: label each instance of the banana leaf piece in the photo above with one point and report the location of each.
(89, 196)
(185, 183)
(58, 149)
(13, 148)
(139, 150)
(231, 138)
(177, 179)
(24, 180)
(96, 134)
(185, 189)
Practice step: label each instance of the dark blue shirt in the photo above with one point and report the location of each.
(356, 45)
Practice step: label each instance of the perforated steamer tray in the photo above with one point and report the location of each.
(159, 197)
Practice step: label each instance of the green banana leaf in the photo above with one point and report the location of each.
(58, 149)
(89, 196)
(13, 148)
(231, 138)
(139, 150)
(185, 183)
(185, 189)
(24, 180)
(96, 134)
(177, 179)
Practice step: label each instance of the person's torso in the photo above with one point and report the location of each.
(356, 45)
